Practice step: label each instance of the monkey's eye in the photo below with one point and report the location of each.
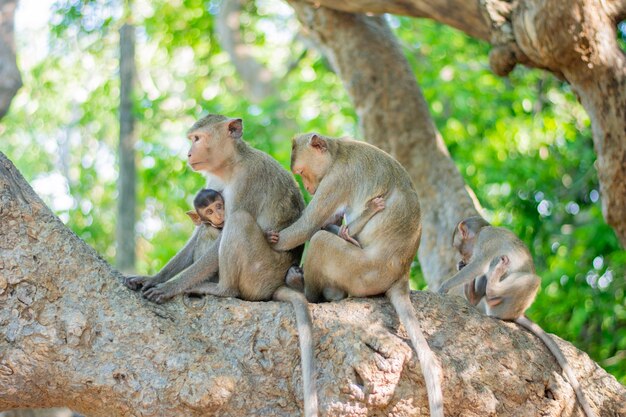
(196, 138)
(219, 206)
(210, 212)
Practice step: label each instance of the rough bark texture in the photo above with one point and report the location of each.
(72, 335)
(575, 40)
(127, 179)
(394, 116)
(10, 78)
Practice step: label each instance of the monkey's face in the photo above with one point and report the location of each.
(310, 159)
(213, 213)
(213, 146)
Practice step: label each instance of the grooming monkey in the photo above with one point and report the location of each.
(497, 265)
(344, 175)
(295, 275)
(258, 195)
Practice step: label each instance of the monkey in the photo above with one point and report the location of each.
(343, 175)
(497, 266)
(258, 195)
(208, 209)
(295, 275)
(208, 216)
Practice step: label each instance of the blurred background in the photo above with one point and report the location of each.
(523, 143)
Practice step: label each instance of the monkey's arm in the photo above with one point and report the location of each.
(179, 262)
(325, 202)
(468, 273)
(197, 272)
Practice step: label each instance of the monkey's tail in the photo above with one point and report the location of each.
(305, 330)
(399, 295)
(560, 358)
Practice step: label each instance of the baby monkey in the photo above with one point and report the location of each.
(497, 266)
(209, 209)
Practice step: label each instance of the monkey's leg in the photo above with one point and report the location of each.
(212, 288)
(202, 269)
(509, 298)
(336, 263)
(247, 261)
(183, 259)
(475, 290)
(295, 278)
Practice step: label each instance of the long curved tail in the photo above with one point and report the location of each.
(399, 295)
(560, 358)
(305, 335)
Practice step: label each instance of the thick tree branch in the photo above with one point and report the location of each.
(72, 335)
(257, 79)
(10, 78)
(575, 40)
(395, 117)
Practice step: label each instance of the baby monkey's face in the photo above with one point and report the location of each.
(213, 213)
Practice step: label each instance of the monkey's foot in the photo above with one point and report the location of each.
(295, 278)
(376, 204)
(344, 234)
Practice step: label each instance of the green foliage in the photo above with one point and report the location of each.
(523, 143)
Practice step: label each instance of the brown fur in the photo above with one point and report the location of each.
(497, 266)
(345, 175)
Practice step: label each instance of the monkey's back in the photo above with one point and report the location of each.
(491, 241)
(393, 233)
(269, 191)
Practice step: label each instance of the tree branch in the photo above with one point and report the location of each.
(72, 335)
(257, 79)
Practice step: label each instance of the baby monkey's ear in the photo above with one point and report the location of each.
(195, 218)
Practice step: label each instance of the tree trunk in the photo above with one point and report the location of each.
(10, 78)
(72, 335)
(575, 40)
(127, 198)
(257, 79)
(394, 116)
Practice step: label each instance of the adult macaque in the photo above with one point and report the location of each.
(344, 175)
(258, 195)
(295, 275)
(497, 265)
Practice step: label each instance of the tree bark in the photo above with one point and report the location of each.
(72, 335)
(394, 116)
(257, 79)
(10, 78)
(575, 40)
(127, 179)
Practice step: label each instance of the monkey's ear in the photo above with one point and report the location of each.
(193, 215)
(318, 143)
(463, 230)
(235, 128)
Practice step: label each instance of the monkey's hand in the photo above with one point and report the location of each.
(343, 233)
(376, 204)
(272, 237)
(160, 293)
(134, 282)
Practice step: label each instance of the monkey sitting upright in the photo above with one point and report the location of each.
(497, 266)
(209, 213)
